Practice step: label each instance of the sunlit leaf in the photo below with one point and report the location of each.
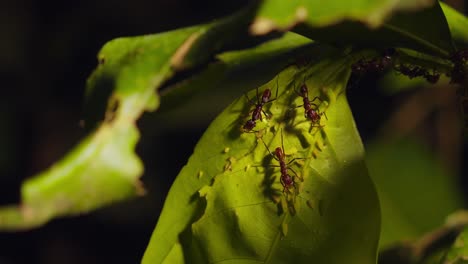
(227, 204)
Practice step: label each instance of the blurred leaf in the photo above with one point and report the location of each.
(382, 22)
(432, 247)
(227, 202)
(103, 168)
(458, 24)
(201, 46)
(458, 252)
(416, 193)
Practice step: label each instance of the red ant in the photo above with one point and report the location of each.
(258, 110)
(286, 180)
(310, 109)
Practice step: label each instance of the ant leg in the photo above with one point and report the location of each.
(314, 106)
(291, 161)
(248, 99)
(282, 183)
(312, 127)
(276, 94)
(268, 149)
(285, 187)
(269, 165)
(282, 143)
(297, 175)
(325, 114)
(298, 94)
(258, 98)
(317, 98)
(266, 115)
(295, 90)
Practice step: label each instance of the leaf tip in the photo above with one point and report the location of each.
(139, 188)
(301, 14)
(262, 26)
(177, 60)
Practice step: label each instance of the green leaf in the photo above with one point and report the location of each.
(227, 203)
(415, 192)
(382, 22)
(458, 23)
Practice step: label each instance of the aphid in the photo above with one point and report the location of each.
(416, 71)
(258, 110)
(286, 179)
(311, 110)
(432, 78)
(362, 66)
(375, 65)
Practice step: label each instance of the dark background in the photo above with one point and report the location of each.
(47, 50)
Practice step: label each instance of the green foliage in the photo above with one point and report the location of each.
(409, 210)
(228, 203)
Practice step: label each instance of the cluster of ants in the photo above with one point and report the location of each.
(458, 73)
(386, 60)
(311, 112)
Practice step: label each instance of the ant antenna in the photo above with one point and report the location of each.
(282, 144)
(277, 86)
(258, 100)
(268, 148)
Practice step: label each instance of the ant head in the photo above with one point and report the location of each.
(279, 153)
(288, 181)
(303, 90)
(249, 125)
(315, 116)
(266, 95)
